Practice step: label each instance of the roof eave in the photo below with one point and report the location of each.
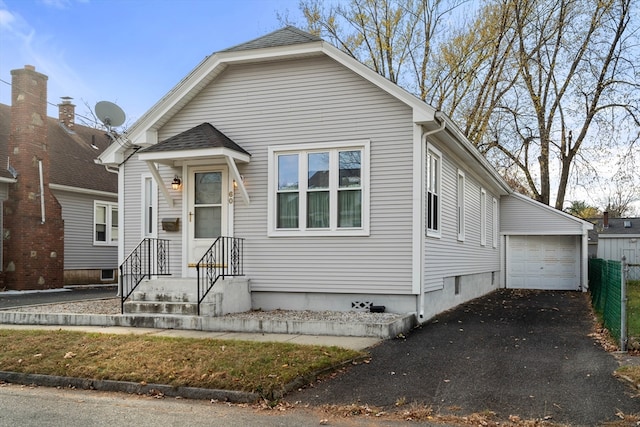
(171, 157)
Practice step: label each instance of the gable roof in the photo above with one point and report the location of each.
(72, 155)
(285, 43)
(199, 137)
(617, 227)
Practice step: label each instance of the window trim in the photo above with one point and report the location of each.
(109, 238)
(460, 204)
(483, 217)
(433, 231)
(274, 151)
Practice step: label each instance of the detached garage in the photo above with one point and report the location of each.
(543, 247)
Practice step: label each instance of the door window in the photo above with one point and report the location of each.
(207, 204)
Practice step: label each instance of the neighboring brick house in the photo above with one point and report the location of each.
(58, 207)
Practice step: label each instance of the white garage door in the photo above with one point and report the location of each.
(543, 262)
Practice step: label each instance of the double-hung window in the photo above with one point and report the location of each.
(319, 189)
(483, 217)
(433, 182)
(460, 210)
(105, 223)
(495, 222)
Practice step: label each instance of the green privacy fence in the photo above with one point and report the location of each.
(605, 285)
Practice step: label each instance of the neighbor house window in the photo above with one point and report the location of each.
(460, 198)
(319, 189)
(105, 220)
(483, 217)
(433, 179)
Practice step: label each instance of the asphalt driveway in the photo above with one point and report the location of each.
(525, 353)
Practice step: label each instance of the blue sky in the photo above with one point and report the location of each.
(130, 52)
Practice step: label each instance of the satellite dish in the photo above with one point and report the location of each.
(109, 114)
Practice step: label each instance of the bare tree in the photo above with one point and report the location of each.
(535, 84)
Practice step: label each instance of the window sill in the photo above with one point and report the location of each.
(319, 233)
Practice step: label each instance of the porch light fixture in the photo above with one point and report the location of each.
(175, 184)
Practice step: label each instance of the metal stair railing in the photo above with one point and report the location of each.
(149, 258)
(224, 258)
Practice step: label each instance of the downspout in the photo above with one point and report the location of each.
(41, 191)
(423, 141)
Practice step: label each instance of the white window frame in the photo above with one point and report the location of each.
(433, 177)
(148, 183)
(483, 217)
(495, 222)
(110, 239)
(303, 150)
(461, 185)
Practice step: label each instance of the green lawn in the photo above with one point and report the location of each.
(261, 367)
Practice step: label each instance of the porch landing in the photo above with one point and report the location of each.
(240, 322)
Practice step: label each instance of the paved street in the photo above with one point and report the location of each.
(41, 406)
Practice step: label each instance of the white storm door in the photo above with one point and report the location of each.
(207, 210)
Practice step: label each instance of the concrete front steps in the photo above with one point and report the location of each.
(178, 296)
(169, 303)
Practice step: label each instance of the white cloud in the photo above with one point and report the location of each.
(23, 44)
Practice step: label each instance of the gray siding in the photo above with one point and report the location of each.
(530, 217)
(79, 251)
(132, 216)
(308, 101)
(446, 256)
(615, 247)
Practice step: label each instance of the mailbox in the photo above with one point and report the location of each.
(171, 224)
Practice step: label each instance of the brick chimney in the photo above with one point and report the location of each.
(605, 219)
(67, 112)
(33, 226)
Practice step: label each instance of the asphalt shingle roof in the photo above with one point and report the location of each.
(199, 137)
(72, 155)
(286, 36)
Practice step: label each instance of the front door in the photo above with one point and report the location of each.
(207, 209)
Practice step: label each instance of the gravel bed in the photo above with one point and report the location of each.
(98, 306)
(112, 306)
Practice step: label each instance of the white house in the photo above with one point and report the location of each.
(340, 189)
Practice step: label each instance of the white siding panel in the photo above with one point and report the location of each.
(79, 251)
(133, 170)
(309, 101)
(528, 217)
(447, 256)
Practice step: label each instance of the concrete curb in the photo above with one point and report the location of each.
(129, 387)
(216, 324)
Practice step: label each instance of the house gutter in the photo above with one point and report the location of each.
(423, 143)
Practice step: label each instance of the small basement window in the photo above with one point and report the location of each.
(107, 275)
